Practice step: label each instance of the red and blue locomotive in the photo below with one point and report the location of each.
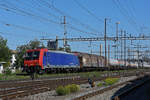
(40, 60)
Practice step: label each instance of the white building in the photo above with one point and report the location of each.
(1, 67)
(13, 59)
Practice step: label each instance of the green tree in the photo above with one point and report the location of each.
(35, 44)
(21, 50)
(19, 55)
(5, 52)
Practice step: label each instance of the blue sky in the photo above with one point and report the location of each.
(32, 19)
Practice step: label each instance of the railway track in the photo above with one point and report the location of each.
(15, 84)
(20, 89)
(143, 80)
(51, 77)
(38, 79)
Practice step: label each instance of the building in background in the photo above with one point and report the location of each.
(12, 62)
(2, 67)
(13, 59)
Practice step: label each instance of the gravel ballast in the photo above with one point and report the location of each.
(84, 89)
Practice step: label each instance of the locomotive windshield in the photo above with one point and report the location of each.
(34, 55)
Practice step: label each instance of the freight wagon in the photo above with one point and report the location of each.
(89, 62)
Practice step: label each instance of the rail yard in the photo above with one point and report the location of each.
(22, 89)
(74, 50)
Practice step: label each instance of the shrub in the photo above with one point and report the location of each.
(8, 71)
(62, 90)
(110, 81)
(67, 89)
(74, 88)
(100, 84)
(1, 76)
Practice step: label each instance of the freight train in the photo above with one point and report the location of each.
(44, 60)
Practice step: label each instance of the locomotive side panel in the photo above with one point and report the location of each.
(60, 60)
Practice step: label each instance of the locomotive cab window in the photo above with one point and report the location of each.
(33, 55)
(36, 55)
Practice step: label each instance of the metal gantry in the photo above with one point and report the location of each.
(102, 38)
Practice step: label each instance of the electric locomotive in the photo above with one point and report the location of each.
(41, 60)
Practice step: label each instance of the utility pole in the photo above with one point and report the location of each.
(117, 23)
(115, 51)
(91, 47)
(138, 46)
(56, 42)
(100, 49)
(125, 48)
(108, 54)
(65, 33)
(129, 55)
(105, 41)
(121, 44)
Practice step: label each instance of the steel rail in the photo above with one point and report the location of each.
(28, 89)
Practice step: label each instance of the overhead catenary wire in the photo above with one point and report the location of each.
(14, 34)
(130, 9)
(44, 3)
(25, 13)
(91, 13)
(40, 9)
(24, 28)
(88, 11)
(132, 6)
(130, 14)
(125, 14)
